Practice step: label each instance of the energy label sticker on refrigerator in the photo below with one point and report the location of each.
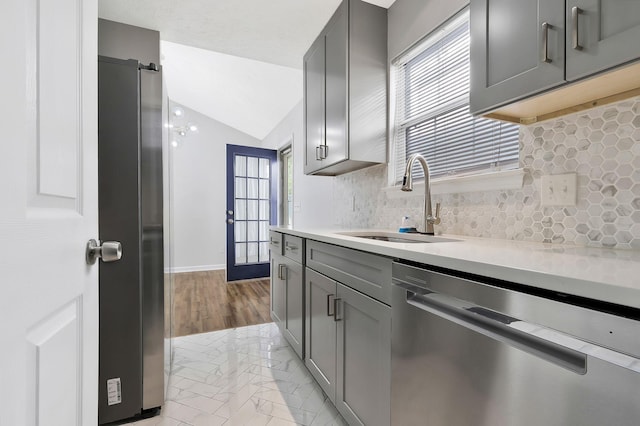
(114, 391)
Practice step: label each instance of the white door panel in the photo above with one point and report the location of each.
(58, 86)
(55, 351)
(48, 188)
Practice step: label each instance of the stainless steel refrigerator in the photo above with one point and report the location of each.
(130, 211)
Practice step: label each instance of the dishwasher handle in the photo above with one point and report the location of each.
(499, 327)
(546, 343)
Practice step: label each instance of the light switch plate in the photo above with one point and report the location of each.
(558, 190)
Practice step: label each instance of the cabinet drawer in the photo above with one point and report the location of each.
(368, 273)
(293, 248)
(275, 242)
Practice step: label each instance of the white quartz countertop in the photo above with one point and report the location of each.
(602, 274)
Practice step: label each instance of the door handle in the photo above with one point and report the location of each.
(290, 247)
(230, 221)
(545, 43)
(323, 151)
(575, 14)
(335, 310)
(109, 251)
(330, 305)
(230, 212)
(282, 275)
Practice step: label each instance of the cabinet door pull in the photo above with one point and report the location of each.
(282, 267)
(335, 310)
(290, 247)
(575, 13)
(318, 155)
(323, 151)
(545, 42)
(330, 305)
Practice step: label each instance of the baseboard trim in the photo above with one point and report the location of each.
(197, 268)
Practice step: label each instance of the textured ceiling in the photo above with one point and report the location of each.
(275, 31)
(236, 61)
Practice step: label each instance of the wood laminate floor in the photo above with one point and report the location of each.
(204, 301)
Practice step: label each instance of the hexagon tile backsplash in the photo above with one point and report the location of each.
(602, 146)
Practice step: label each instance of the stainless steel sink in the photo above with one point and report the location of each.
(397, 237)
(388, 239)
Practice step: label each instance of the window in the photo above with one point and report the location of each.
(286, 173)
(432, 110)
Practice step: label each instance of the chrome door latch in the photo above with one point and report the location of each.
(108, 251)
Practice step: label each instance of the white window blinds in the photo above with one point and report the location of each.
(432, 110)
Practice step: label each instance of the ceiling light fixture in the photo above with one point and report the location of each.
(180, 130)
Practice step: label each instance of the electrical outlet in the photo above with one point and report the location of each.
(558, 190)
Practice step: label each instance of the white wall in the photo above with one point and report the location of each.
(312, 195)
(199, 193)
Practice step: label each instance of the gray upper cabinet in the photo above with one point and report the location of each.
(517, 49)
(602, 34)
(314, 111)
(521, 48)
(345, 91)
(336, 89)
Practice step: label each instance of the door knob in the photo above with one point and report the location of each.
(230, 212)
(109, 251)
(229, 221)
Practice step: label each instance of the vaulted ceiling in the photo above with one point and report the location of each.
(236, 61)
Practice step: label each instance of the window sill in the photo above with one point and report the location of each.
(502, 180)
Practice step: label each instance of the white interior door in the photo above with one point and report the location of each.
(48, 211)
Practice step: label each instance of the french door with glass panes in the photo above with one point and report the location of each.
(251, 208)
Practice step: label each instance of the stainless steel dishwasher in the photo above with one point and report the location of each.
(470, 351)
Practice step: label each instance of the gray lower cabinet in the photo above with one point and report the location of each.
(348, 349)
(321, 331)
(287, 289)
(293, 324)
(278, 289)
(366, 272)
(363, 352)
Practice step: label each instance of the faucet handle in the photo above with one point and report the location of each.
(436, 218)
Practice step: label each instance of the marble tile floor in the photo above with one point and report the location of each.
(241, 376)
